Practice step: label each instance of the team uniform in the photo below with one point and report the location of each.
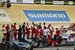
(15, 32)
(57, 32)
(34, 31)
(8, 33)
(41, 32)
(28, 31)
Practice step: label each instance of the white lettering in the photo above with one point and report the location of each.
(46, 15)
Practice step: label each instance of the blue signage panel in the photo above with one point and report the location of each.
(46, 15)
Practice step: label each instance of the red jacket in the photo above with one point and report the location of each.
(41, 32)
(7, 28)
(34, 30)
(27, 29)
(58, 32)
(15, 30)
(54, 43)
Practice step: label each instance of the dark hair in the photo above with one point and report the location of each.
(11, 25)
(19, 26)
(45, 27)
(14, 23)
(44, 23)
(3, 26)
(24, 23)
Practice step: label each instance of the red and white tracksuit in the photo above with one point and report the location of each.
(41, 32)
(15, 32)
(28, 31)
(34, 32)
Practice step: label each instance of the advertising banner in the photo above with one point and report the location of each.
(46, 15)
(28, 1)
(13, 1)
(58, 2)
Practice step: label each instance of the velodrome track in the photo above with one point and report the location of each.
(16, 14)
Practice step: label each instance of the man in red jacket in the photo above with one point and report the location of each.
(41, 32)
(51, 30)
(8, 33)
(34, 31)
(28, 30)
(57, 32)
(15, 31)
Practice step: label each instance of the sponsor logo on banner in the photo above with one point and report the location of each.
(46, 15)
(4, 17)
(58, 2)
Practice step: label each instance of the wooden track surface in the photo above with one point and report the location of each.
(17, 15)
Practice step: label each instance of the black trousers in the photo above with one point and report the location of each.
(7, 36)
(24, 35)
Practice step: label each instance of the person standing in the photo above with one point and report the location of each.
(58, 35)
(51, 30)
(11, 33)
(45, 32)
(39, 26)
(44, 25)
(28, 30)
(32, 29)
(57, 32)
(41, 32)
(62, 30)
(23, 30)
(15, 31)
(7, 32)
(4, 30)
(19, 33)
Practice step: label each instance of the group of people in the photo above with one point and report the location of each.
(33, 31)
(9, 31)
